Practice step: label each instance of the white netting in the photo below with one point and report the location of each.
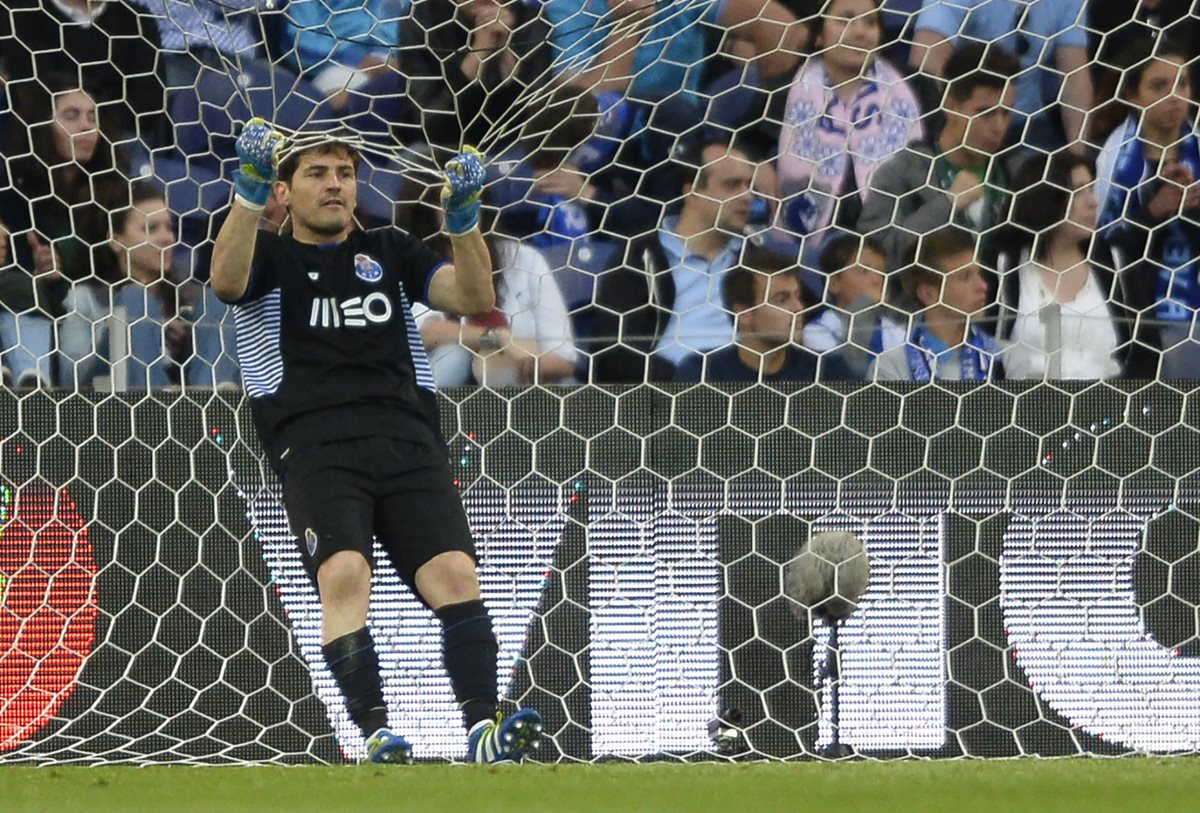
(759, 215)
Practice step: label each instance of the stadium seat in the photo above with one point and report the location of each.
(214, 363)
(735, 100)
(208, 117)
(380, 185)
(378, 106)
(193, 187)
(26, 345)
(577, 265)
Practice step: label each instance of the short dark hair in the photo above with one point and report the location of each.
(333, 146)
(139, 192)
(844, 250)
(932, 251)
(976, 65)
(1135, 58)
(740, 286)
(690, 166)
(1044, 201)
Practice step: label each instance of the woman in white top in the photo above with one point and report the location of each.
(1062, 315)
(529, 340)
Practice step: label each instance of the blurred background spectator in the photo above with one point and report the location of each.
(340, 45)
(848, 110)
(526, 339)
(1112, 28)
(219, 34)
(766, 298)
(853, 324)
(66, 172)
(950, 291)
(1062, 314)
(963, 178)
(652, 57)
(663, 298)
(654, 50)
(142, 332)
(468, 62)
(1149, 201)
(112, 45)
(1050, 39)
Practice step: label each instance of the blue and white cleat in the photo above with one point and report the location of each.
(387, 748)
(505, 739)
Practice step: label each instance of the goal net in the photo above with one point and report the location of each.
(735, 312)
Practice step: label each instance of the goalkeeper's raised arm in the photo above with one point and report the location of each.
(466, 286)
(258, 165)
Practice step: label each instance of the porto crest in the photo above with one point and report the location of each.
(367, 269)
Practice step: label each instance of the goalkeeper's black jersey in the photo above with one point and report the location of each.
(327, 343)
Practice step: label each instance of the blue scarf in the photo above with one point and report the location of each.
(1178, 289)
(975, 355)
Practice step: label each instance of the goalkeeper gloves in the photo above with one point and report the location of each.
(460, 195)
(258, 163)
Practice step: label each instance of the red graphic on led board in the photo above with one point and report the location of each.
(47, 607)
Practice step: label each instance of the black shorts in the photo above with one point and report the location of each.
(341, 495)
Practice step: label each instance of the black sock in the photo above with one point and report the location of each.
(469, 649)
(355, 667)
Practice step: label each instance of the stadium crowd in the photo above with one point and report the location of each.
(720, 190)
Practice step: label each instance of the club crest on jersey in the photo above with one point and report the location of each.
(310, 539)
(367, 269)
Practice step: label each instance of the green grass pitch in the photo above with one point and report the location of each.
(1037, 786)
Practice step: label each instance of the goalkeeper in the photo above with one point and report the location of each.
(341, 394)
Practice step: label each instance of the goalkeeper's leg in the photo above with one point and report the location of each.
(424, 529)
(330, 512)
(470, 650)
(344, 580)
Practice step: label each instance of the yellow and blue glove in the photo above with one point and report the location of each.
(460, 194)
(258, 163)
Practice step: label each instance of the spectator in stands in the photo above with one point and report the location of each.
(11, 352)
(653, 51)
(545, 186)
(219, 34)
(664, 299)
(848, 111)
(856, 269)
(339, 45)
(1050, 39)
(527, 339)
(1114, 27)
(963, 178)
(469, 61)
(944, 343)
(28, 304)
(767, 301)
(1149, 200)
(134, 279)
(110, 45)
(654, 54)
(1062, 314)
(65, 172)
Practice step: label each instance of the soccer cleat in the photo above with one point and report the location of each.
(387, 748)
(505, 739)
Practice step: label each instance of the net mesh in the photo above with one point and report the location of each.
(731, 320)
